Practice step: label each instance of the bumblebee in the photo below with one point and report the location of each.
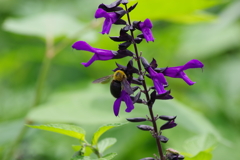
(119, 82)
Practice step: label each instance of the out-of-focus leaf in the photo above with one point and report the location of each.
(188, 118)
(86, 150)
(193, 18)
(180, 11)
(109, 156)
(18, 100)
(76, 147)
(200, 156)
(102, 130)
(66, 129)
(106, 157)
(105, 144)
(44, 25)
(87, 106)
(81, 158)
(200, 143)
(10, 129)
(208, 40)
(76, 106)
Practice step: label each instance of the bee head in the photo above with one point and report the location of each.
(119, 75)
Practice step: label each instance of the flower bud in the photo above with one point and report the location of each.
(145, 127)
(148, 158)
(137, 119)
(167, 118)
(162, 138)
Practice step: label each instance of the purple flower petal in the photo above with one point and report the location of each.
(110, 18)
(126, 98)
(158, 80)
(99, 54)
(101, 13)
(116, 106)
(82, 45)
(146, 29)
(194, 63)
(128, 102)
(177, 72)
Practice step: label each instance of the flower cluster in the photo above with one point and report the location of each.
(124, 76)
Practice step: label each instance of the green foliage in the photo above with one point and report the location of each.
(109, 156)
(105, 144)
(209, 106)
(38, 25)
(200, 147)
(102, 130)
(76, 147)
(84, 150)
(69, 130)
(186, 11)
(106, 157)
(201, 156)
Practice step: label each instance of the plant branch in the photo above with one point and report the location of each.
(145, 88)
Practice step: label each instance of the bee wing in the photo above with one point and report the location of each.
(126, 86)
(103, 80)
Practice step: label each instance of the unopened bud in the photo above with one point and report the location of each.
(145, 127)
(137, 119)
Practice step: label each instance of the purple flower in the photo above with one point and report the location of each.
(158, 80)
(123, 97)
(145, 27)
(99, 54)
(111, 18)
(177, 72)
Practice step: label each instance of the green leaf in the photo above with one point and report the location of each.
(91, 101)
(81, 158)
(105, 144)
(76, 106)
(109, 156)
(172, 10)
(216, 38)
(200, 156)
(76, 147)
(102, 130)
(69, 130)
(106, 157)
(86, 150)
(200, 143)
(38, 25)
(193, 18)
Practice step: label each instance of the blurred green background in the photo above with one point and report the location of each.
(42, 80)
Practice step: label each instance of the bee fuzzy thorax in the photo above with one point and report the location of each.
(119, 75)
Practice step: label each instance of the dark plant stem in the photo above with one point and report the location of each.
(145, 89)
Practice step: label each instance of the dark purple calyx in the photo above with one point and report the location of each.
(145, 127)
(162, 138)
(137, 119)
(167, 118)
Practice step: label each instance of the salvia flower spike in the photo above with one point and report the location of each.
(130, 74)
